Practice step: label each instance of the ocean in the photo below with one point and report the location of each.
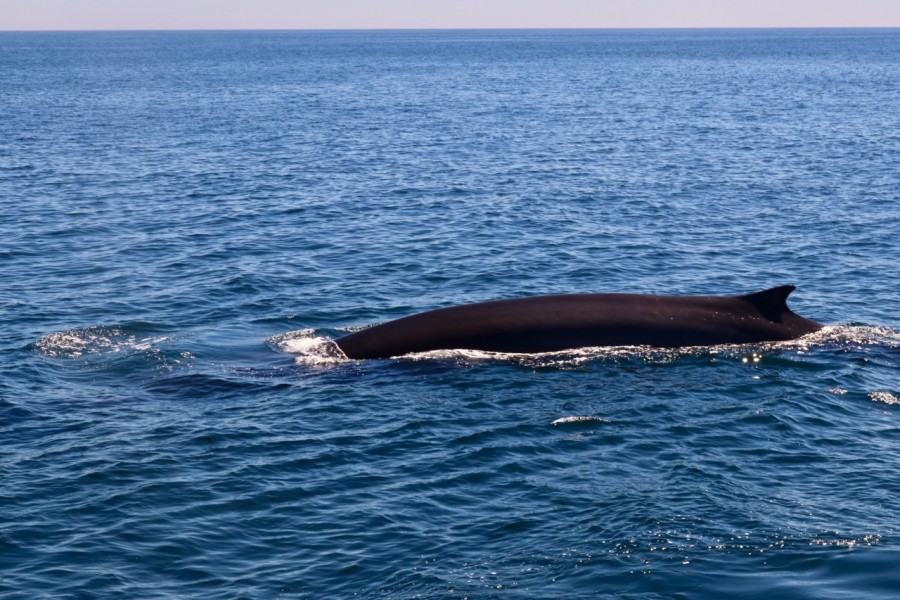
(187, 219)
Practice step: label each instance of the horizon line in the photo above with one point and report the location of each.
(611, 28)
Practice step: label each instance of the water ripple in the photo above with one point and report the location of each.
(189, 220)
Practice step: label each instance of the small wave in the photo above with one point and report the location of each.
(579, 419)
(308, 348)
(871, 539)
(562, 359)
(313, 349)
(847, 334)
(76, 343)
(748, 353)
(579, 357)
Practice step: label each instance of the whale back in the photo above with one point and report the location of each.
(559, 322)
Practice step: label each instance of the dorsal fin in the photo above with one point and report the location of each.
(772, 302)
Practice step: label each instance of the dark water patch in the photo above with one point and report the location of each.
(199, 386)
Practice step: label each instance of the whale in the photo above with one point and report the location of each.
(552, 323)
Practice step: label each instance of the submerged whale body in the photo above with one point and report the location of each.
(561, 322)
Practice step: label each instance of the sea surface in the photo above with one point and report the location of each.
(187, 219)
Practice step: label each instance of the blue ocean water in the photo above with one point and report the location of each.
(187, 218)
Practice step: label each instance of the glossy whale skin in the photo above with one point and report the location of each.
(560, 322)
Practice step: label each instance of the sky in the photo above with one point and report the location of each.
(429, 14)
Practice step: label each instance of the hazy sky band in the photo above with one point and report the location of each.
(440, 14)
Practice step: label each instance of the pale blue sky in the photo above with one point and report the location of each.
(352, 14)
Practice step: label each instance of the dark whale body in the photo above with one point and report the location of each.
(561, 322)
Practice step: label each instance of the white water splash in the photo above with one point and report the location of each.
(312, 349)
(562, 359)
(76, 343)
(885, 397)
(308, 348)
(580, 419)
(845, 334)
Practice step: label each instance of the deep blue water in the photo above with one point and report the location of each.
(186, 219)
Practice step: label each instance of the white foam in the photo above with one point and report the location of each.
(580, 419)
(312, 349)
(847, 334)
(886, 397)
(747, 353)
(309, 348)
(561, 359)
(76, 343)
